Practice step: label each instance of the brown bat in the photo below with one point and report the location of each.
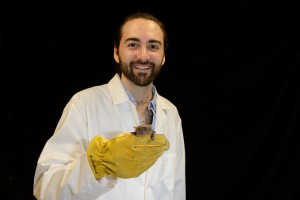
(144, 129)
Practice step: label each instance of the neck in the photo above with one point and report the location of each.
(144, 99)
(141, 94)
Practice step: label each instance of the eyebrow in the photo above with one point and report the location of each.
(138, 40)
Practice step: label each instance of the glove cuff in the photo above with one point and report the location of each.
(94, 156)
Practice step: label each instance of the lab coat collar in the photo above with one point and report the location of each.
(117, 91)
(120, 96)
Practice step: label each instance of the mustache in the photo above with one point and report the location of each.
(140, 62)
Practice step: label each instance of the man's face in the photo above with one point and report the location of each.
(141, 51)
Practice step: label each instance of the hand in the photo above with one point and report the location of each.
(126, 155)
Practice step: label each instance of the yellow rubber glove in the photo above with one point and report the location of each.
(126, 155)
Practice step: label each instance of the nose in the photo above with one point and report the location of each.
(143, 53)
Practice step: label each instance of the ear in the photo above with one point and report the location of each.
(116, 54)
(164, 60)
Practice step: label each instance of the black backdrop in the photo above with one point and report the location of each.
(232, 69)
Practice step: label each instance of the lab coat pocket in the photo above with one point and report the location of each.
(162, 176)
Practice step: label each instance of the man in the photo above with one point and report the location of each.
(97, 151)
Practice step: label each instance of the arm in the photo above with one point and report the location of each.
(180, 179)
(63, 170)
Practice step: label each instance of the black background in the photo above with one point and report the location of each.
(232, 69)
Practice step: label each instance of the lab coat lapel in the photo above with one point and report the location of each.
(161, 115)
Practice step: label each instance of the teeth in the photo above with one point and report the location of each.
(141, 67)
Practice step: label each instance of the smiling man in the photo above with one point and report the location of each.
(93, 153)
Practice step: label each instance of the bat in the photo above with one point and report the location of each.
(144, 129)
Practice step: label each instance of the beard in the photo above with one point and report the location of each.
(140, 79)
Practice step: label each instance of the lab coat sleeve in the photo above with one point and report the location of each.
(180, 180)
(63, 171)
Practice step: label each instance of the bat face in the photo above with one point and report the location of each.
(144, 129)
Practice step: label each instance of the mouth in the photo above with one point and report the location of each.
(142, 67)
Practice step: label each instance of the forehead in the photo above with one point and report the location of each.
(142, 29)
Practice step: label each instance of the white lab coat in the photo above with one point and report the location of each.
(63, 171)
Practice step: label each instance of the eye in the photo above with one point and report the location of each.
(153, 47)
(133, 45)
